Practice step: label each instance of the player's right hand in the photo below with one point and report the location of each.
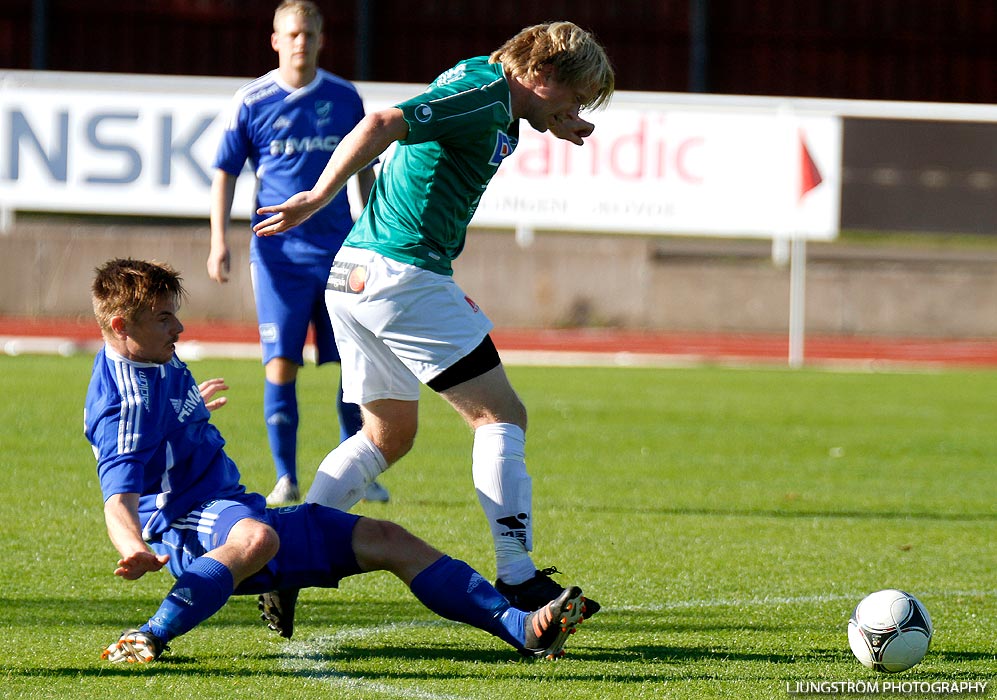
(572, 128)
(219, 261)
(135, 565)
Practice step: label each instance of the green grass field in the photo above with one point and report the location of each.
(727, 519)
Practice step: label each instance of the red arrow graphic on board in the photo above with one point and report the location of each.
(809, 173)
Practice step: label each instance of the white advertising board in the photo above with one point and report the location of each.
(143, 145)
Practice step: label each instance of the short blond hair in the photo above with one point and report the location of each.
(304, 8)
(578, 59)
(125, 287)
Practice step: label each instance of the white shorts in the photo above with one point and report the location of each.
(397, 325)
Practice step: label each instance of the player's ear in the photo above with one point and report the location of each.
(119, 326)
(274, 42)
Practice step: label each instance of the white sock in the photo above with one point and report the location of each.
(505, 492)
(343, 476)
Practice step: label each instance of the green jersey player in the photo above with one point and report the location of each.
(399, 317)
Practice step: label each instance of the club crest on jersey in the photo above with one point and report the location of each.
(323, 108)
(504, 146)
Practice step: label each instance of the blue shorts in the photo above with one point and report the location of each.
(289, 297)
(316, 542)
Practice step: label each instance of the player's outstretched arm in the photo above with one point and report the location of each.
(368, 140)
(121, 517)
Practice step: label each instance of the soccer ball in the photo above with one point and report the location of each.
(889, 631)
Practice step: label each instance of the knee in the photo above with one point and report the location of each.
(261, 542)
(394, 442)
(399, 448)
(512, 411)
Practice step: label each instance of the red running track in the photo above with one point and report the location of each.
(696, 346)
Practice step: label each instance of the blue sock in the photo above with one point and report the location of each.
(452, 589)
(350, 418)
(198, 594)
(280, 409)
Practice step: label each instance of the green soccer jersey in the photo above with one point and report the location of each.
(460, 130)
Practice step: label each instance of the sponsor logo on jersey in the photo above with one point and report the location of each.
(452, 75)
(281, 123)
(504, 146)
(143, 389)
(423, 113)
(304, 144)
(470, 302)
(190, 403)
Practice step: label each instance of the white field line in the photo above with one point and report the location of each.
(781, 600)
(307, 659)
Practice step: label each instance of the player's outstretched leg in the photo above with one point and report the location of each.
(452, 589)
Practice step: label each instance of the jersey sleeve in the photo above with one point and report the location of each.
(457, 106)
(234, 147)
(115, 434)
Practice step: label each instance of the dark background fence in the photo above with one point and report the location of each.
(932, 50)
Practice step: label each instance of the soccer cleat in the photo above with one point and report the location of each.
(547, 629)
(284, 491)
(277, 610)
(134, 647)
(535, 592)
(376, 493)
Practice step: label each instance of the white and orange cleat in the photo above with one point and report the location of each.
(547, 629)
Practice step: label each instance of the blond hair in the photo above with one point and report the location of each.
(305, 8)
(578, 59)
(124, 287)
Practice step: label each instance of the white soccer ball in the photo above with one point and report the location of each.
(889, 631)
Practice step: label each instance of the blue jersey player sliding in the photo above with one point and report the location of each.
(172, 497)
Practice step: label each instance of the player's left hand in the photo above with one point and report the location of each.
(292, 212)
(135, 565)
(572, 128)
(209, 388)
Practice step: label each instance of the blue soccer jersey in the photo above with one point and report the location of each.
(149, 429)
(287, 135)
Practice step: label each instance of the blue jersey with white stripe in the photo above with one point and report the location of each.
(287, 135)
(151, 434)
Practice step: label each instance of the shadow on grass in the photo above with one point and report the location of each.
(789, 512)
(795, 513)
(637, 664)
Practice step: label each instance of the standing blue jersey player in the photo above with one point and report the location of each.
(286, 124)
(172, 497)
